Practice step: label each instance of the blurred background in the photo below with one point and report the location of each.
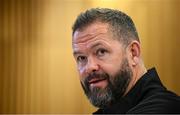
(37, 70)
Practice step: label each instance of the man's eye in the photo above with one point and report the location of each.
(101, 52)
(81, 58)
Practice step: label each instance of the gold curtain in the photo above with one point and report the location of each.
(37, 70)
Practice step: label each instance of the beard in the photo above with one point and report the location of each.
(115, 89)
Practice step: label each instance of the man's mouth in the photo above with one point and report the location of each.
(97, 82)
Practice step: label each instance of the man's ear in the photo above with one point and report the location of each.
(134, 50)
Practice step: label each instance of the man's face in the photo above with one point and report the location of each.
(102, 64)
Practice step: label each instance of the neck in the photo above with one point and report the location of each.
(138, 72)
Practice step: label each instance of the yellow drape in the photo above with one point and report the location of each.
(37, 70)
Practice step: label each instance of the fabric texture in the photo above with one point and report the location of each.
(147, 96)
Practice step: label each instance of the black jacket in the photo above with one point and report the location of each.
(147, 96)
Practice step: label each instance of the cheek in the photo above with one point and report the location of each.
(111, 68)
(81, 71)
(112, 64)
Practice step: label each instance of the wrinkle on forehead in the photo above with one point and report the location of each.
(89, 33)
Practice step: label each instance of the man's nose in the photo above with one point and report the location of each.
(92, 66)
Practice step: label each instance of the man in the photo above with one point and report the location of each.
(107, 50)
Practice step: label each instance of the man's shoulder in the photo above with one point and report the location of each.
(160, 102)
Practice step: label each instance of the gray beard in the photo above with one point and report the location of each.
(117, 85)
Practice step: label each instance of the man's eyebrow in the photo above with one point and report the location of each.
(95, 45)
(76, 52)
(92, 46)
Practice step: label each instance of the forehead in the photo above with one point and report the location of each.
(94, 35)
(90, 32)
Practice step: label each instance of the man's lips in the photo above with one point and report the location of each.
(96, 80)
